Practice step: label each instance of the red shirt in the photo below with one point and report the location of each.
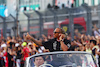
(26, 52)
(6, 63)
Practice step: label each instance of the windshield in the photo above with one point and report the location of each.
(62, 60)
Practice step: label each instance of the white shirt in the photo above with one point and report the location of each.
(97, 32)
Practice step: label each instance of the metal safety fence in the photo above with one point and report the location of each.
(44, 22)
(66, 18)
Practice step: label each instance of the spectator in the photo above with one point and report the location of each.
(98, 56)
(88, 49)
(94, 47)
(44, 37)
(25, 51)
(19, 55)
(32, 48)
(2, 62)
(50, 37)
(96, 30)
(10, 57)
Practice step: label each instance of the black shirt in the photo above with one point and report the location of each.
(10, 62)
(54, 45)
(19, 55)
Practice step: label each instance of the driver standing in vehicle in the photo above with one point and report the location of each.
(58, 43)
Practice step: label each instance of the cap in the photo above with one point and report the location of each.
(17, 44)
(3, 45)
(29, 43)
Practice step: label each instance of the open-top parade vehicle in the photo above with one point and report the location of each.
(61, 59)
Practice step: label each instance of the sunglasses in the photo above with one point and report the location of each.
(56, 32)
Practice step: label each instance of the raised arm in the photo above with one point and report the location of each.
(34, 40)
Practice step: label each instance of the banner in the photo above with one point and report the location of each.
(2, 10)
(12, 7)
(65, 3)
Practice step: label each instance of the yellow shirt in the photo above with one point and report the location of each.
(89, 50)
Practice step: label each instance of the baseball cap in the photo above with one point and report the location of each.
(29, 43)
(17, 44)
(3, 45)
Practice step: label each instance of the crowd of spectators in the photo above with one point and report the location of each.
(14, 50)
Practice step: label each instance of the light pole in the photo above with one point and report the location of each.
(16, 23)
